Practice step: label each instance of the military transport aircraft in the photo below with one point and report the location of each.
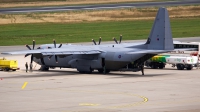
(104, 58)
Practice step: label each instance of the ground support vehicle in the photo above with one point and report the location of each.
(7, 65)
(181, 62)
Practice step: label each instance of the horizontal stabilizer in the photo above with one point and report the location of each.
(186, 49)
(149, 52)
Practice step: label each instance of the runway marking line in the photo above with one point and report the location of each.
(88, 104)
(25, 83)
(145, 99)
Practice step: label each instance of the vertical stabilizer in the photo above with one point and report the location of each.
(160, 37)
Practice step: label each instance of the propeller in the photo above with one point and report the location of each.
(33, 44)
(115, 40)
(56, 57)
(120, 40)
(30, 49)
(26, 55)
(95, 41)
(99, 40)
(60, 46)
(54, 42)
(50, 57)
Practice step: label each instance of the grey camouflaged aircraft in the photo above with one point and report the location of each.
(104, 58)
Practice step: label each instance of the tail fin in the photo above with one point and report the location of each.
(160, 37)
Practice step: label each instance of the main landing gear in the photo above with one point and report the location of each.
(142, 69)
(44, 68)
(102, 71)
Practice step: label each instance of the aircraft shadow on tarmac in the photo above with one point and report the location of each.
(121, 75)
(57, 73)
(35, 74)
(194, 68)
(160, 69)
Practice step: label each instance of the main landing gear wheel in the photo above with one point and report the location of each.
(142, 69)
(44, 68)
(88, 72)
(107, 71)
(102, 71)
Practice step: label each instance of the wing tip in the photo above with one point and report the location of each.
(4, 53)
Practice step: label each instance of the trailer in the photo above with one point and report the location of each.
(7, 65)
(181, 62)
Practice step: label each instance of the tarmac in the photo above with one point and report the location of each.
(65, 90)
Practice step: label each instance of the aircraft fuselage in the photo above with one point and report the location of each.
(111, 59)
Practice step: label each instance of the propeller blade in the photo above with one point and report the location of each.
(94, 42)
(31, 58)
(120, 39)
(56, 58)
(50, 57)
(27, 55)
(60, 46)
(28, 47)
(33, 44)
(99, 40)
(115, 40)
(54, 42)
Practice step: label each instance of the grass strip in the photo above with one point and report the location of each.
(43, 33)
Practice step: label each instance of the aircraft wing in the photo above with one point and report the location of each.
(22, 52)
(148, 51)
(59, 51)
